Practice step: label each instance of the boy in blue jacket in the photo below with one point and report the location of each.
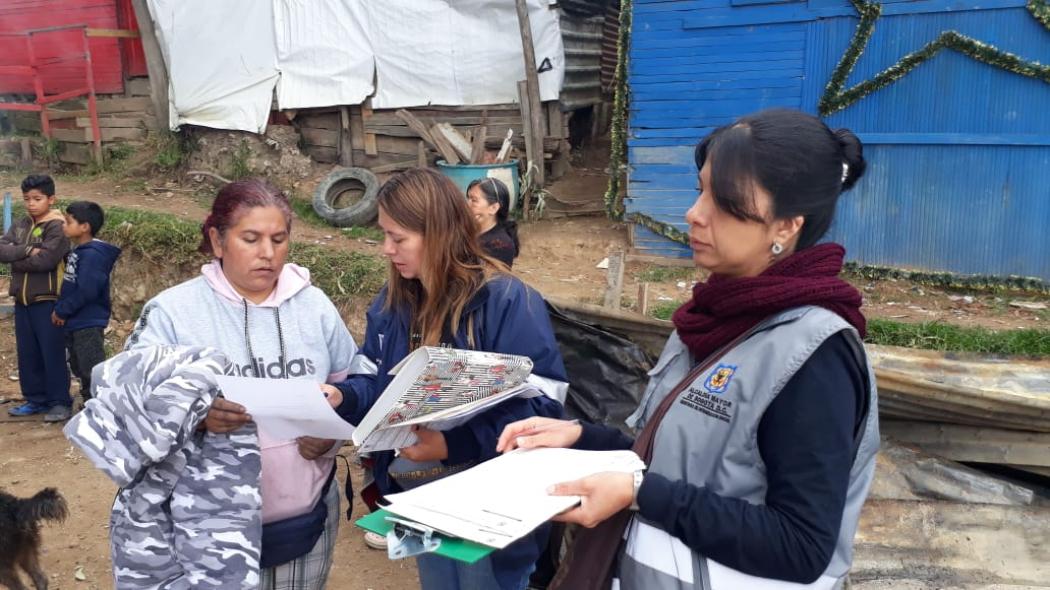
(83, 306)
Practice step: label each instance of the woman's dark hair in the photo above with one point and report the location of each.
(236, 197)
(497, 192)
(803, 164)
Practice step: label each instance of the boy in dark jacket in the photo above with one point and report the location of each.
(83, 307)
(35, 247)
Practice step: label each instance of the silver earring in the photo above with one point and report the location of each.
(777, 249)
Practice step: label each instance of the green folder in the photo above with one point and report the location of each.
(451, 547)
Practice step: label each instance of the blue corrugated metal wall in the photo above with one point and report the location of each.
(958, 151)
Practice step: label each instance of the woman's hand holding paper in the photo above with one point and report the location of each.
(430, 446)
(601, 496)
(537, 432)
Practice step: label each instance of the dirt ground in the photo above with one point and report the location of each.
(559, 259)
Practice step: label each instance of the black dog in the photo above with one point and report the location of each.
(20, 535)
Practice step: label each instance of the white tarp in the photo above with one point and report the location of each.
(323, 53)
(460, 52)
(225, 59)
(221, 59)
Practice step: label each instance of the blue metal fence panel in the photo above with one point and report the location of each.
(958, 151)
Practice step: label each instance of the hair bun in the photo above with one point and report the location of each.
(853, 155)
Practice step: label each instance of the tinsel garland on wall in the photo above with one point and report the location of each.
(618, 149)
(836, 98)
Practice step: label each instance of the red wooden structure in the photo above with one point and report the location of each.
(33, 72)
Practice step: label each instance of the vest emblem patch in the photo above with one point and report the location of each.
(718, 380)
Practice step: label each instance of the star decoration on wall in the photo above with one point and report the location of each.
(837, 97)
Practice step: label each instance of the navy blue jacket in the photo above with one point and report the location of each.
(509, 318)
(84, 299)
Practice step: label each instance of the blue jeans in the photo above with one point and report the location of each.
(42, 371)
(441, 573)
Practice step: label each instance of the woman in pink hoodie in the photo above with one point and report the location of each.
(271, 323)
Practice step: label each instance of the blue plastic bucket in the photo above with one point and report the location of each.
(464, 174)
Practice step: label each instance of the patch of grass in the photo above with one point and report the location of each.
(158, 237)
(172, 149)
(340, 274)
(239, 161)
(662, 274)
(663, 310)
(304, 211)
(366, 232)
(946, 337)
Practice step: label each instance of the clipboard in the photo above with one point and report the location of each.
(423, 538)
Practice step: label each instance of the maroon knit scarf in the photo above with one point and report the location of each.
(723, 308)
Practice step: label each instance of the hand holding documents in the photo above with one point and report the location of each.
(440, 388)
(286, 408)
(504, 499)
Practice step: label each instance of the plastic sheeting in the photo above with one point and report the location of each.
(221, 59)
(460, 52)
(323, 53)
(225, 59)
(607, 373)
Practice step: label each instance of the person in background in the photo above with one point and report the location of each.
(266, 317)
(444, 290)
(489, 201)
(35, 247)
(83, 306)
(759, 425)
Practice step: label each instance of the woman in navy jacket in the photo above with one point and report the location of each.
(443, 289)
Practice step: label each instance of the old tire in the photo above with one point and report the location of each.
(362, 212)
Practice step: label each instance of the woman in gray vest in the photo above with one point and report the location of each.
(759, 423)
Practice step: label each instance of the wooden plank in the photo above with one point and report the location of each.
(393, 167)
(643, 298)
(477, 148)
(614, 281)
(656, 260)
(494, 132)
(325, 155)
(532, 155)
(383, 119)
(370, 138)
(504, 149)
(72, 135)
(146, 121)
(112, 33)
(75, 153)
(555, 125)
(121, 133)
(414, 124)
(444, 147)
(422, 160)
(56, 114)
(532, 91)
(137, 86)
(357, 130)
(973, 444)
(137, 104)
(155, 66)
(320, 137)
(346, 146)
(455, 139)
(330, 121)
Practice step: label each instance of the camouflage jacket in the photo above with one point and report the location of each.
(188, 514)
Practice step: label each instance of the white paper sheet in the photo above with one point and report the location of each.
(504, 499)
(286, 408)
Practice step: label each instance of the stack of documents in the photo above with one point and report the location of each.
(504, 499)
(440, 388)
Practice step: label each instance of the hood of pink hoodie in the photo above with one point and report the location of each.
(293, 278)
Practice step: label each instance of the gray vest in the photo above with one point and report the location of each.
(709, 438)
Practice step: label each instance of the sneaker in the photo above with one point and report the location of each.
(27, 409)
(375, 540)
(58, 413)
